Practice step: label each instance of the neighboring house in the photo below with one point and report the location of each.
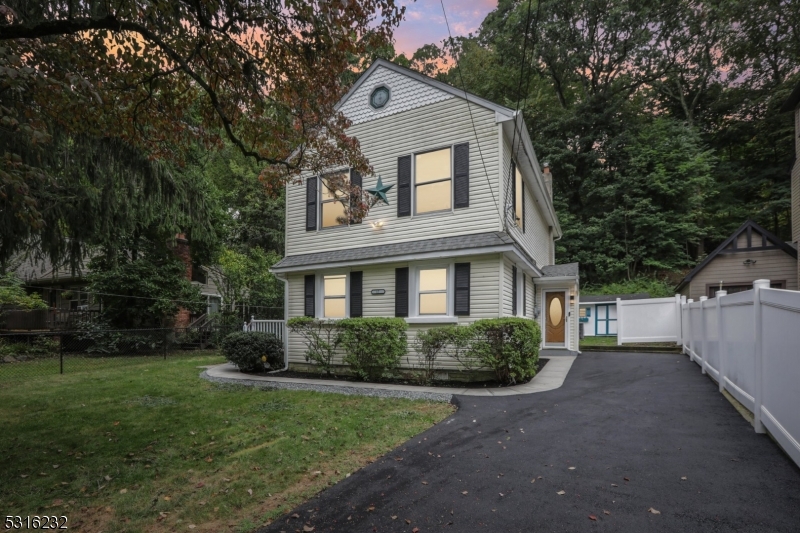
(438, 251)
(793, 104)
(66, 294)
(749, 254)
(598, 314)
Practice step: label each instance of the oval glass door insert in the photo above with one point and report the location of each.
(556, 311)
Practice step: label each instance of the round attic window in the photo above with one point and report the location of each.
(379, 97)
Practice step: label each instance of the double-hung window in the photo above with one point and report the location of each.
(433, 181)
(332, 201)
(334, 296)
(433, 291)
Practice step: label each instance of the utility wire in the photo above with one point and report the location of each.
(471, 118)
(39, 287)
(514, 149)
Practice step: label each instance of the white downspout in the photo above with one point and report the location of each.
(285, 327)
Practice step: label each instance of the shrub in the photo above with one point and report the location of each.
(321, 338)
(253, 351)
(373, 346)
(449, 341)
(508, 346)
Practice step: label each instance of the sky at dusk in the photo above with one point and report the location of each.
(424, 22)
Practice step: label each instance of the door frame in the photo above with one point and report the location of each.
(565, 344)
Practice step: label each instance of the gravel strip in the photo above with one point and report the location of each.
(337, 389)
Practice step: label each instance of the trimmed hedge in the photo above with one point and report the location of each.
(373, 346)
(508, 346)
(321, 339)
(253, 351)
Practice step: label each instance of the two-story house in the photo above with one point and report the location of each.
(467, 230)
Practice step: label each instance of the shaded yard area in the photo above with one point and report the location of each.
(143, 444)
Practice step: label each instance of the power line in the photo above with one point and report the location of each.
(39, 287)
(471, 118)
(519, 89)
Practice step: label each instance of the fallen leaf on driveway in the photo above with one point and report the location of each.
(626, 479)
(561, 493)
(501, 494)
(308, 529)
(394, 517)
(424, 482)
(606, 512)
(654, 511)
(408, 521)
(592, 517)
(295, 515)
(683, 478)
(533, 480)
(415, 530)
(370, 508)
(465, 493)
(614, 485)
(571, 468)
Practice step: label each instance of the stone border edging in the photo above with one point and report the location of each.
(551, 377)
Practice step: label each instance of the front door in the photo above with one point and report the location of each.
(555, 318)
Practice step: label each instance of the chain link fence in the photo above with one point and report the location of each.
(30, 354)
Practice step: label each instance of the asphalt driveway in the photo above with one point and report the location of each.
(625, 434)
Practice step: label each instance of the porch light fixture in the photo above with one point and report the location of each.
(378, 224)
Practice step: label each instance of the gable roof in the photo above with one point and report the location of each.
(749, 225)
(497, 108)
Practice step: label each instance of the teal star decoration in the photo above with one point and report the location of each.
(380, 190)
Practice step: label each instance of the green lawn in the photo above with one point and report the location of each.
(599, 341)
(146, 445)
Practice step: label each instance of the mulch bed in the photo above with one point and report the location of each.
(465, 384)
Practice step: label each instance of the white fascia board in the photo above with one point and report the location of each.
(556, 279)
(531, 163)
(445, 254)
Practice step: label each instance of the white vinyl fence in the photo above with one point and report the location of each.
(276, 327)
(749, 342)
(651, 320)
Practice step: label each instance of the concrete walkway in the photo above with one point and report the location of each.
(630, 442)
(551, 377)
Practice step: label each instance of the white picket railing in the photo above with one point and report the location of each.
(749, 342)
(276, 327)
(649, 320)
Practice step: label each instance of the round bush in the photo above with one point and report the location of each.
(253, 351)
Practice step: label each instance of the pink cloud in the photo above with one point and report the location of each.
(424, 22)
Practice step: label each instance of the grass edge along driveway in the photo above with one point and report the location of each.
(149, 446)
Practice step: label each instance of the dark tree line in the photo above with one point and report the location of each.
(660, 120)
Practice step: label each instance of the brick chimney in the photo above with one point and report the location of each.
(548, 180)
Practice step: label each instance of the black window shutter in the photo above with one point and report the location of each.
(311, 204)
(461, 174)
(524, 296)
(401, 292)
(310, 295)
(356, 298)
(355, 181)
(462, 296)
(404, 186)
(514, 290)
(523, 207)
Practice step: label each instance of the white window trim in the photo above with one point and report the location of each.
(414, 155)
(320, 294)
(320, 227)
(413, 304)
